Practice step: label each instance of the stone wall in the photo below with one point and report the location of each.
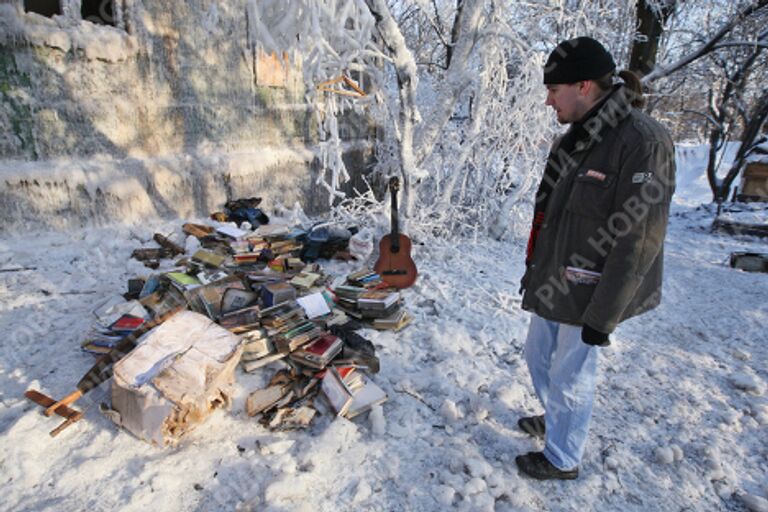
(169, 79)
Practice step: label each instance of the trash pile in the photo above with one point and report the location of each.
(250, 293)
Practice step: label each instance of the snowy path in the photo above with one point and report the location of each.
(672, 429)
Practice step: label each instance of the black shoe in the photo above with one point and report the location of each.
(536, 465)
(533, 426)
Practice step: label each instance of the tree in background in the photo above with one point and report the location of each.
(456, 87)
(717, 68)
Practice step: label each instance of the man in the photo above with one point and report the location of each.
(595, 251)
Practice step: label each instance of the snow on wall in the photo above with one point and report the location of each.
(68, 193)
(67, 32)
(166, 113)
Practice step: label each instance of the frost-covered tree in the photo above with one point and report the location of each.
(456, 89)
(714, 68)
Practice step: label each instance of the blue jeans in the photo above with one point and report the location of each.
(563, 370)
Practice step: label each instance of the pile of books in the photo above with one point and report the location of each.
(364, 297)
(207, 299)
(378, 303)
(102, 340)
(255, 285)
(365, 278)
(346, 298)
(293, 335)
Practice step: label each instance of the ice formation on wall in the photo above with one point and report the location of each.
(68, 30)
(333, 37)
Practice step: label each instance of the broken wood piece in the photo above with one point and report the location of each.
(197, 230)
(70, 415)
(70, 398)
(356, 91)
(166, 243)
(150, 254)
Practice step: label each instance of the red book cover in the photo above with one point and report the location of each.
(345, 370)
(321, 345)
(127, 323)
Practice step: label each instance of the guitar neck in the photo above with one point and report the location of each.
(395, 227)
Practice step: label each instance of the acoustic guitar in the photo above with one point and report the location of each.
(395, 265)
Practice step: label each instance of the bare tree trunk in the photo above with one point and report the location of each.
(407, 81)
(415, 147)
(650, 26)
(715, 143)
(454, 33)
(718, 136)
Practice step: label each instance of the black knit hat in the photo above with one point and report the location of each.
(577, 59)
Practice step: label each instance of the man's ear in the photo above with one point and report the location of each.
(585, 86)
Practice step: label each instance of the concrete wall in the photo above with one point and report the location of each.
(169, 79)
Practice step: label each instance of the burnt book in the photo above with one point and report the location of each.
(209, 258)
(246, 258)
(339, 385)
(95, 349)
(358, 350)
(264, 399)
(292, 418)
(277, 316)
(237, 298)
(242, 320)
(181, 281)
(336, 317)
(239, 246)
(305, 280)
(251, 366)
(208, 276)
(294, 264)
(319, 352)
(206, 299)
(285, 247)
(256, 345)
(394, 322)
(374, 314)
(377, 299)
(365, 398)
(276, 293)
(262, 277)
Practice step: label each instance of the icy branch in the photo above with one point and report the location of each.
(707, 47)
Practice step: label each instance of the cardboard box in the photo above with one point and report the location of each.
(177, 375)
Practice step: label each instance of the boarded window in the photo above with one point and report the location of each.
(271, 69)
(98, 11)
(44, 7)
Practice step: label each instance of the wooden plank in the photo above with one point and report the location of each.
(70, 415)
(45, 401)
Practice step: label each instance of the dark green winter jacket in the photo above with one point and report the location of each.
(606, 214)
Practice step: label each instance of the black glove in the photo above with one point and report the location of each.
(593, 337)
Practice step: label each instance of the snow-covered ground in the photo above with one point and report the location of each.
(681, 419)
